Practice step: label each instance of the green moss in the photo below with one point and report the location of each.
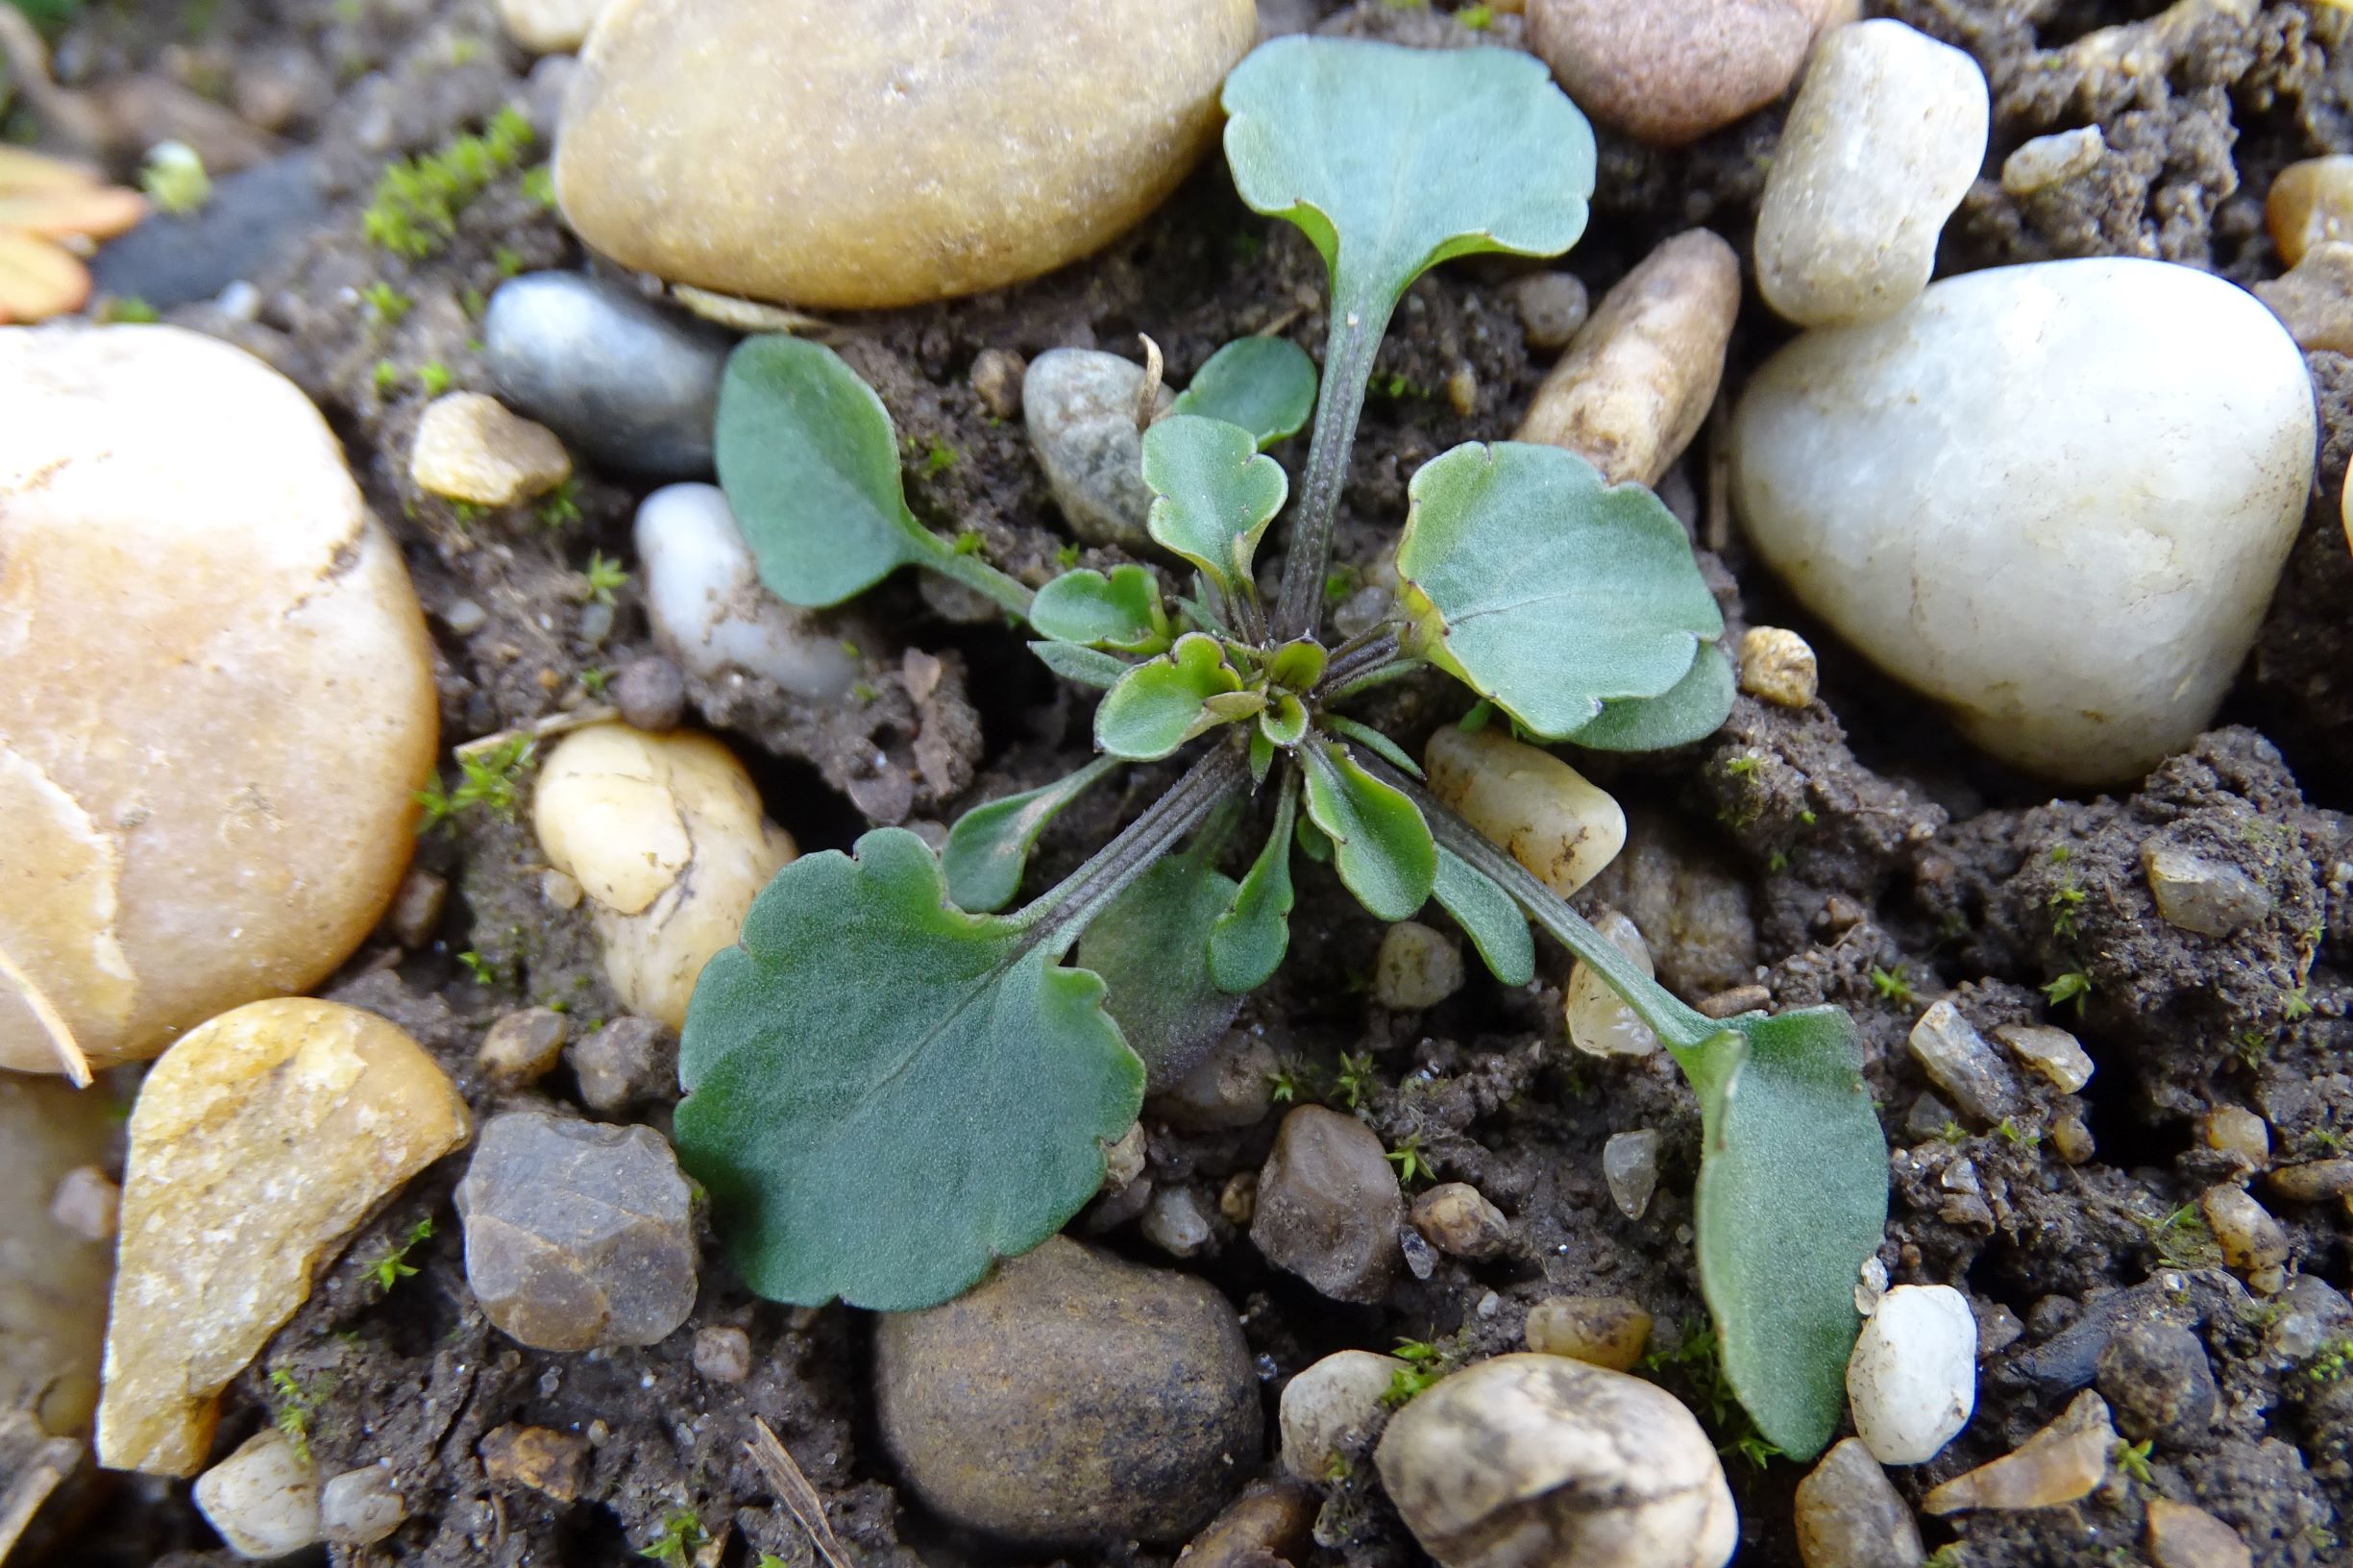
(417, 201)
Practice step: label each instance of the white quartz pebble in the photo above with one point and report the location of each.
(263, 1498)
(708, 608)
(1330, 1405)
(1912, 1380)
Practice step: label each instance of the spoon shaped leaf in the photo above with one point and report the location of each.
(989, 847)
(885, 1094)
(1488, 917)
(1159, 706)
(1692, 709)
(1265, 384)
(1121, 612)
(1544, 589)
(1248, 940)
(1216, 492)
(1380, 844)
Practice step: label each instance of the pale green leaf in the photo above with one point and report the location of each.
(1792, 1199)
(1284, 720)
(1121, 613)
(1215, 494)
(1380, 844)
(1373, 741)
(885, 1094)
(1265, 384)
(1692, 709)
(1248, 940)
(1151, 945)
(1085, 665)
(989, 846)
(1546, 589)
(1159, 706)
(1488, 917)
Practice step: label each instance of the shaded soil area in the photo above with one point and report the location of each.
(1850, 852)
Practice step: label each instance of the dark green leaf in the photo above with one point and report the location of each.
(884, 1094)
(1692, 709)
(1312, 840)
(1394, 159)
(810, 465)
(1084, 665)
(989, 844)
(1159, 706)
(1248, 940)
(1792, 1199)
(1121, 612)
(1488, 917)
(1546, 589)
(1216, 492)
(1151, 945)
(1380, 844)
(1265, 384)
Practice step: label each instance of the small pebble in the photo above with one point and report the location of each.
(2201, 894)
(1416, 968)
(2312, 1181)
(1332, 1407)
(416, 908)
(2062, 1463)
(709, 610)
(1912, 1378)
(1887, 132)
(2310, 204)
(614, 376)
(88, 1203)
(1604, 1331)
(2253, 1244)
(627, 1062)
(1273, 1521)
(1961, 1064)
(2315, 299)
(1730, 1004)
(546, 1463)
(360, 1507)
(996, 376)
(577, 1236)
(2182, 1536)
(560, 888)
(549, 27)
(523, 1046)
(722, 1355)
(650, 692)
(465, 618)
(1457, 1218)
(1233, 1087)
(1126, 1159)
(1630, 1165)
(2045, 161)
(1554, 821)
(263, 1498)
(2235, 1130)
(1176, 1222)
(1778, 665)
(2052, 1052)
(1848, 1514)
(1079, 405)
(1528, 1459)
(2158, 1382)
(1634, 388)
(1327, 1206)
(1597, 1020)
(2072, 1139)
(1667, 72)
(1551, 307)
(1237, 1201)
(470, 449)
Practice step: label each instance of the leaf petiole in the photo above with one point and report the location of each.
(1058, 914)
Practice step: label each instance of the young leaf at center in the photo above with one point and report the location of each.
(885, 1094)
(1216, 493)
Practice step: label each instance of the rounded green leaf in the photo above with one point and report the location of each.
(1546, 589)
(1380, 844)
(989, 847)
(1692, 709)
(1248, 940)
(1394, 160)
(1216, 492)
(885, 1094)
(1265, 384)
(1488, 917)
(1121, 612)
(1159, 706)
(1284, 720)
(810, 464)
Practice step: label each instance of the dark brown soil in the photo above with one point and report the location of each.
(1852, 852)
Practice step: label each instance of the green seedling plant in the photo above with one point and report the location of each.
(896, 1078)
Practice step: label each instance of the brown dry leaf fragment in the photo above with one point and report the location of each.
(793, 1491)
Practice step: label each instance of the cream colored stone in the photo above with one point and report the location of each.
(2054, 1053)
(1330, 1406)
(2235, 1130)
(52, 1282)
(2044, 162)
(1597, 1020)
(549, 27)
(258, 1142)
(2059, 1464)
(263, 1498)
(2254, 1245)
(1543, 811)
(2310, 204)
(470, 449)
(1638, 379)
(909, 153)
(1778, 665)
(1416, 968)
(1606, 1331)
(665, 835)
(219, 696)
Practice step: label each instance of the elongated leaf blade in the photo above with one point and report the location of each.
(810, 464)
(1216, 492)
(1121, 612)
(885, 1094)
(1792, 1199)
(1159, 706)
(1087, 666)
(1544, 589)
(1692, 709)
(1265, 384)
(1248, 940)
(1488, 917)
(1380, 844)
(1394, 160)
(989, 847)
(1152, 949)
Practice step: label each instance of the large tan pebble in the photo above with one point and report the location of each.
(1640, 375)
(53, 1281)
(1543, 811)
(219, 696)
(258, 1142)
(665, 835)
(906, 153)
(1540, 1461)
(2309, 204)
(1668, 71)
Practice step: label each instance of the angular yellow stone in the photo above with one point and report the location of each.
(52, 1282)
(260, 1141)
(219, 694)
(2058, 1464)
(888, 155)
